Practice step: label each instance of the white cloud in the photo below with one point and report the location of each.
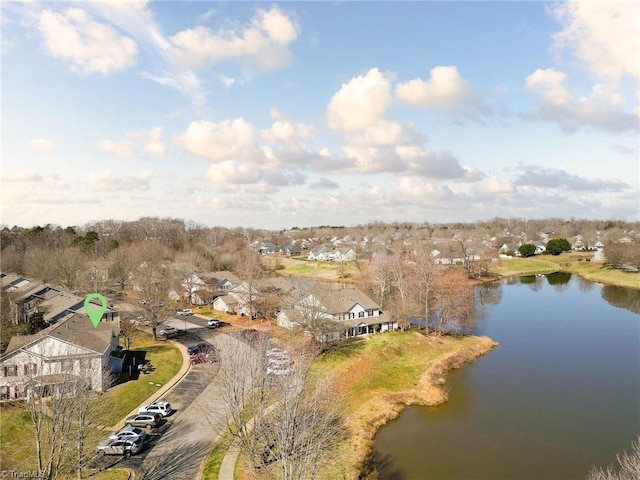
(89, 46)
(227, 140)
(42, 144)
(230, 172)
(150, 141)
(601, 108)
(492, 187)
(122, 149)
(602, 34)
(226, 81)
(556, 178)
(360, 103)
(105, 181)
(186, 82)
(262, 46)
(21, 176)
(550, 83)
(445, 90)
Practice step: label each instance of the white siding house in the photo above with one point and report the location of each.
(349, 308)
(71, 348)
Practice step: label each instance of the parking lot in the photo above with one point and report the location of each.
(176, 449)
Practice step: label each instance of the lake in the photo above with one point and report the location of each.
(560, 393)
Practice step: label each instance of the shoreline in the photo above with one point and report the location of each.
(577, 264)
(429, 391)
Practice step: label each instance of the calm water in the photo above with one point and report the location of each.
(560, 393)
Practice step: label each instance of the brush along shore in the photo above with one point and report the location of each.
(380, 375)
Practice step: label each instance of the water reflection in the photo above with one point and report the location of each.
(622, 297)
(559, 279)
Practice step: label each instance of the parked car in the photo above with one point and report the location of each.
(140, 321)
(185, 311)
(163, 408)
(147, 420)
(204, 356)
(129, 433)
(168, 331)
(279, 362)
(193, 349)
(214, 323)
(120, 447)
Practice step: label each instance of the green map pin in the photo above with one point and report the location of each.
(95, 315)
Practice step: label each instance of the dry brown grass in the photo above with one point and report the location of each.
(371, 407)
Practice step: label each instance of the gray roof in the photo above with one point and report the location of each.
(216, 278)
(343, 300)
(76, 329)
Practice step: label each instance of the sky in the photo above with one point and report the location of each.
(275, 115)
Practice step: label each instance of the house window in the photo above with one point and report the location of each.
(66, 365)
(10, 371)
(352, 315)
(85, 363)
(30, 368)
(360, 314)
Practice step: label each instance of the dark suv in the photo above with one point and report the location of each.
(197, 348)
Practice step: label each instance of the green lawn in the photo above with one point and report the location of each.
(120, 400)
(212, 468)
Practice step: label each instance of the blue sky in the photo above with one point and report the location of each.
(273, 115)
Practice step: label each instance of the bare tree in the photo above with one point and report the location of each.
(121, 266)
(629, 466)
(421, 273)
(59, 408)
(453, 301)
(295, 418)
(249, 266)
(152, 285)
(304, 426)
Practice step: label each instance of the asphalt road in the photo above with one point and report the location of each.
(177, 448)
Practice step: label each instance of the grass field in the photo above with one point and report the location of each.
(294, 267)
(574, 262)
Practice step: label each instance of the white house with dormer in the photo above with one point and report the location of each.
(348, 307)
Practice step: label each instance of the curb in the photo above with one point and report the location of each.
(186, 366)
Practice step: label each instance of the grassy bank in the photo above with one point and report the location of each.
(379, 375)
(579, 263)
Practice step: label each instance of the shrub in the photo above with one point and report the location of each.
(556, 246)
(527, 250)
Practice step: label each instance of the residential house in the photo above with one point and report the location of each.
(71, 349)
(320, 253)
(29, 297)
(226, 302)
(255, 296)
(289, 250)
(353, 311)
(267, 248)
(342, 255)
